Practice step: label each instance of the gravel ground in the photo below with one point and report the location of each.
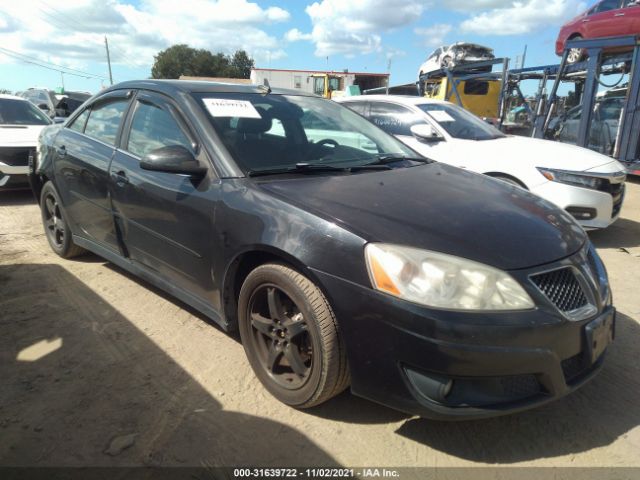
(99, 368)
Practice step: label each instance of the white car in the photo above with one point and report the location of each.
(588, 185)
(20, 125)
(456, 54)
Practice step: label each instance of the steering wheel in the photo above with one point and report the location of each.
(321, 143)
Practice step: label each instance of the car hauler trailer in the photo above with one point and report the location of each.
(607, 58)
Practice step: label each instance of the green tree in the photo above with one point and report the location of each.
(240, 65)
(184, 60)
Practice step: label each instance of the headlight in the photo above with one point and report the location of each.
(442, 281)
(571, 178)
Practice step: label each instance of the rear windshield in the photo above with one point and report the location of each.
(21, 112)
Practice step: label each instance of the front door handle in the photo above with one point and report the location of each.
(619, 15)
(120, 178)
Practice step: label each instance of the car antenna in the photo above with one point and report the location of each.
(265, 88)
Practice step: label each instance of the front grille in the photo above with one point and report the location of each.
(562, 288)
(617, 193)
(616, 190)
(15, 156)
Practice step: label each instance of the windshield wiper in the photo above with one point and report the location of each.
(315, 167)
(385, 159)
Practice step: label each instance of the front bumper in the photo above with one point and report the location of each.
(451, 365)
(605, 206)
(14, 166)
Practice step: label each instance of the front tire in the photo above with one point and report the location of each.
(56, 228)
(575, 54)
(509, 180)
(290, 336)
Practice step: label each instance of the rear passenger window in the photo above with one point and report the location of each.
(104, 120)
(154, 128)
(80, 121)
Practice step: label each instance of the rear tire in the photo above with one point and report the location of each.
(290, 336)
(56, 228)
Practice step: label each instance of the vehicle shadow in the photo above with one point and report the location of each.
(16, 197)
(624, 233)
(82, 386)
(594, 416)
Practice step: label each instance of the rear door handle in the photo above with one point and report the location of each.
(619, 15)
(62, 151)
(120, 178)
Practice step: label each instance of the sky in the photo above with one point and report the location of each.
(359, 35)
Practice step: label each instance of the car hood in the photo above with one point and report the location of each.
(440, 208)
(19, 135)
(533, 152)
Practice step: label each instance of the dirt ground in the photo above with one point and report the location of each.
(99, 368)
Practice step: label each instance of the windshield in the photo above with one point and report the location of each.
(266, 132)
(459, 123)
(21, 112)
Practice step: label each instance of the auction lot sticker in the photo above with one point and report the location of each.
(222, 107)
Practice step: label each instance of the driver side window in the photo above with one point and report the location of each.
(152, 128)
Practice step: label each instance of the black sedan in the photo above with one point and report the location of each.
(343, 257)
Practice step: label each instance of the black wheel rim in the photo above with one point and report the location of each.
(53, 222)
(280, 337)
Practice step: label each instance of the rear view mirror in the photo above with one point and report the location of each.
(173, 159)
(426, 133)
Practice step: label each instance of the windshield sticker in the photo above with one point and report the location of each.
(441, 116)
(222, 107)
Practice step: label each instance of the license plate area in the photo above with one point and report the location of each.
(599, 334)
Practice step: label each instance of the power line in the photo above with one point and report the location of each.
(56, 16)
(51, 66)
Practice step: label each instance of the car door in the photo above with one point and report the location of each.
(84, 149)
(606, 20)
(631, 14)
(165, 219)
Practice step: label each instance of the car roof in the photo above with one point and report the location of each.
(172, 87)
(4, 96)
(402, 99)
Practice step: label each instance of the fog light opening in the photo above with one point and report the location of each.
(582, 213)
(433, 387)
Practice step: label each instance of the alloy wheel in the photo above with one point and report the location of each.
(54, 224)
(280, 336)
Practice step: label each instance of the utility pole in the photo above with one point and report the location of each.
(524, 56)
(389, 76)
(106, 45)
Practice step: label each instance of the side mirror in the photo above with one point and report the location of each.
(173, 159)
(426, 133)
(43, 106)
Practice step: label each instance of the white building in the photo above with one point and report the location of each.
(312, 81)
